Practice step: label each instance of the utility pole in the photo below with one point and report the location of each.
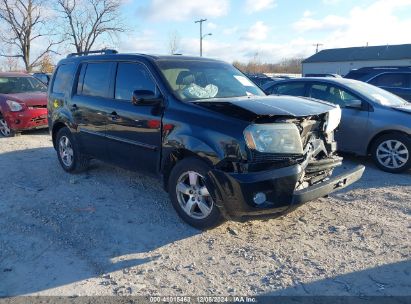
(201, 34)
(316, 46)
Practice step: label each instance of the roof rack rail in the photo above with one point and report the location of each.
(105, 52)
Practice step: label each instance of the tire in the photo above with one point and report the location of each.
(5, 130)
(68, 152)
(392, 152)
(187, 177)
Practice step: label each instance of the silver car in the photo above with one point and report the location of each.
(374, 122)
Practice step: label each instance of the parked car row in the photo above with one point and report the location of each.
(262, 80)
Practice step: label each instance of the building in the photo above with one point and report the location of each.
(341, 61)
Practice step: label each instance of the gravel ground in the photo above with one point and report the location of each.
(113, 232)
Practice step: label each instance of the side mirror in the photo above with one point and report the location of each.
(354, 104)
(145, 98)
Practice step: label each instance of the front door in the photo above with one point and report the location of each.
(133, 131)
(354, 119)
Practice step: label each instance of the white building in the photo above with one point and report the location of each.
(341, 61)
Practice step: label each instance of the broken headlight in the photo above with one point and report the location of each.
(333, 119)
(282, 138)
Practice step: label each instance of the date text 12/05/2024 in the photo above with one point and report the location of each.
(203, 299)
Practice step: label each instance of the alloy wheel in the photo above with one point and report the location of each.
(4, 128)
(193, 195)
(66, 151)
(392, 154)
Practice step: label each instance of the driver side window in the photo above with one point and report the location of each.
(343, 98)
(335, 95)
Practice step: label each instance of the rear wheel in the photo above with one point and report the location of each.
(190, 196)
(68, 152)
(5, 129)
(391, 153)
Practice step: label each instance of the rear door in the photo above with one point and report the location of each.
(90, 106)
(355, 114)
(133, 131)
(60, 90)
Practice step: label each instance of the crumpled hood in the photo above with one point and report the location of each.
(29, 99)
(267, 106)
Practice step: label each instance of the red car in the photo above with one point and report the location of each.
(23, 103)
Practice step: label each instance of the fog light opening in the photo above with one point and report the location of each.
(259, 198)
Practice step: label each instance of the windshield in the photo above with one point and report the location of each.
(201, 79)
(376, 94)
(11, 85)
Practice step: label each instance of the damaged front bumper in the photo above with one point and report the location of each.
(235, 193)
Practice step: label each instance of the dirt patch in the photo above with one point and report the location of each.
(113, 232)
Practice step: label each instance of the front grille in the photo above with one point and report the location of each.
(38, 119)
(259, 157)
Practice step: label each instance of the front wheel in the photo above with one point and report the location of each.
(5, 129)
(69, 153)
(391, 153)
(190, 196)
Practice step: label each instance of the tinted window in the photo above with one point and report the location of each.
(97, 79)
(131, 77)
(395, 80)
(62, 80)
(293, 89)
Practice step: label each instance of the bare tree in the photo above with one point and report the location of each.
(290, 65)
(174, 42)
(89, 21)
(11, 64)
(23, 23)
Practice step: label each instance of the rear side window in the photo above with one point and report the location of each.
(293, 89)
(62, 80)
(393, 80)
(97, 79)
(131, 77)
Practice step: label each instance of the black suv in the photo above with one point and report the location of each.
(396, 80)
(222, 147)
